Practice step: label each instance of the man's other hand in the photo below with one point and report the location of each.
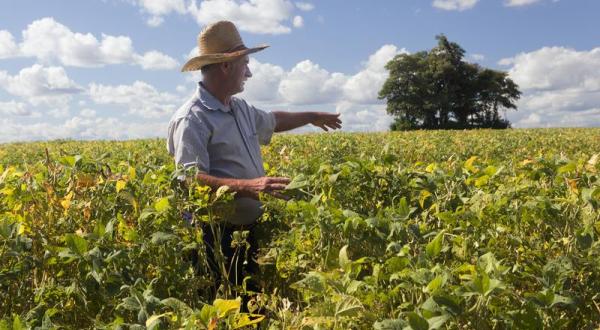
(266, 184)
(327, 121)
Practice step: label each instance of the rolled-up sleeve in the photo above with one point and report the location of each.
(265, 125)
(188, 141)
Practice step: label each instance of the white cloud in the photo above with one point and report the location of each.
(154, 60)
(140, 98)
(13, 108)
(364, 86)
(354, 96)
(561, 87)
(307, 83)
(159, 8)
(254, 16)
(8, 48)
(264, 84)
(298, 21)
(305, 6)
(361, 117)
(79, 128)
(517, 3)
(41, 85)
(553, 68)
(155, 21)
(459, 5)
(87, 113)
(162, 7)
(50, 41)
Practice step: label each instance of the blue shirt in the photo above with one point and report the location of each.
(222, 141)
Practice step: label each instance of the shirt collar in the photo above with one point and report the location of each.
(209, 101)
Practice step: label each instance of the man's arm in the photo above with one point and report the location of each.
(247, 187)
(285, 121)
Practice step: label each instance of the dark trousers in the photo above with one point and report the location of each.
(237, 265)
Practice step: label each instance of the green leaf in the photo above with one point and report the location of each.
(528, 318)
(17, 325)
(207, 313)
(177, 305)
(348, 306)
(423, 196)
(403, 210)
(416, 322)
(313, 281)
(558, 299)
(162, 205)
(333, 177)
(437, 322)
(161, 237)
(570, 167)
(389, 324)
(451, 303)
(436, 283)
(298, 181)
(76, 244)
(434, 247)
(343, 257)
(354, 286)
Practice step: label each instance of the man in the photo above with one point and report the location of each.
(220, 134)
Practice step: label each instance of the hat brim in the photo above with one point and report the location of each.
(196, 63)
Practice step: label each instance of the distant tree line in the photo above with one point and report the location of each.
(438, 90)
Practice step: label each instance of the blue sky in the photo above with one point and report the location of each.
(109, 69)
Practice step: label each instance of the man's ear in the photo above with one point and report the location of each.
(225, 67)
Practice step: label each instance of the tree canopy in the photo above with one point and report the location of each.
(439, 90)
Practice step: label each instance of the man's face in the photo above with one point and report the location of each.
(240, 72)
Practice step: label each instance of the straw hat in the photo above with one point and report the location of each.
(217, 43)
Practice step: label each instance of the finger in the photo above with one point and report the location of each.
(334, 126)
(278, 179)
(276, 186)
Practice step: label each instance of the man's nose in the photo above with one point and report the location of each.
(248, 73)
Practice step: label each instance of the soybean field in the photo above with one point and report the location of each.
(482, 229)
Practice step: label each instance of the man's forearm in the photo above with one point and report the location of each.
(216, 182)
(286, 121)
(246, 187)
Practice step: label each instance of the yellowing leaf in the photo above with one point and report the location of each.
(482, 180)
(424, 195)
(227, 306)
(245, 320)
(527, 161)
(430, 168)
(469, 165)
(131, 173)
(66, 202)
(162, 204)
(120, 185)
(593, 160)
(85, 180)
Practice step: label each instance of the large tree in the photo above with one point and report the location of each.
(438, 89)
